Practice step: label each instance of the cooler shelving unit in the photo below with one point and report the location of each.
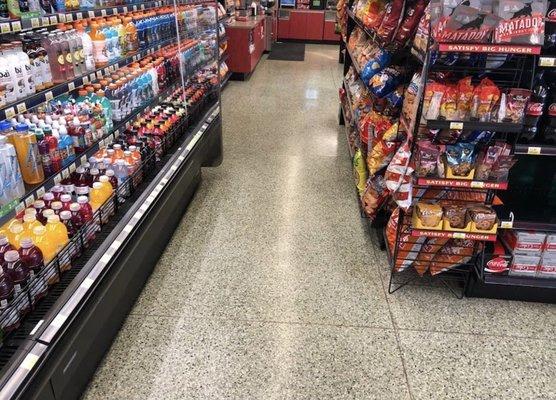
(58, 346)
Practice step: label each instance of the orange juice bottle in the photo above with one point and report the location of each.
(57, 232)
(17, 232)
(98, 195)
(43, 242)
(27, 150)
(118, 152)
(98, 38)
(106, 185)
(5, 230)
(29, 223)
(131, 40)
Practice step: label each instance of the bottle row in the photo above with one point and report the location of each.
(41, 59)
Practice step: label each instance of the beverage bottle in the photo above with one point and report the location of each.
(98, 38)
(30, 49)
(20, 277)
(16, 233)
(57, 191)
(7, 77)
(87, 44)
(43, 242)
(46, 7)
(54, 58)
(549, 132)
(44, 152)
(76, 47)
(118, 152)
(4, 247)
(42, 61)
(94, 175)
(47, 213)
(57, 232)
(11, 320)
(52, 149)
(77, 133)
(4, 13)
(25, 63)
(106, 109)
(7, 131)
(17, 71)
(65, 146)
(65, 49)
(86, 213)
(74, 246)
(40, 206)
(66, 201)
(28, 155)
(76, 217)
(12, 180)
(97, 196)
(32, 258)
(56, 207)
(106, 185)
(112, 178)
(47, 198)
(535, 108)
(59, 5)
(30, 222)
(131, 40)
(122, 173)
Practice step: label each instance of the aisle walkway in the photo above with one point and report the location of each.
(270, 288)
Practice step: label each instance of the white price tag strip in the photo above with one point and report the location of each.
(16, 26)
(29, 201)
(71, 86)
(5, 27)
(58, 320)
(29, 362)
(21, 108)
(48, 96)
(19, 208)
(506, 224)
(534, 150)
(40, 192)
(10, 112)
(87, 283)
(456, 125)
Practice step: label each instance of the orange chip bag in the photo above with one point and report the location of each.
(465, 98)
(454, 253)
(448, 106)
(427, 253)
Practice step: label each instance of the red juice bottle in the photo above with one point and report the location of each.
(11, 320)
(76, 217)
(40, 206)
(112, 178)
(86, 212)
(53, 152)
(67, 220)
(31, 256)
(77, 133)
(5, 246)
(66, 201)
(20, 277)
(48, 198)
(94, 173)
(58, 191)
(80, 177)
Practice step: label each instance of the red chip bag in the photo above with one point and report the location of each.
(427, 253)
(408, 246)
(413, 12)
(399, 176)
(390, 20)
(454, 253)
(374, 12)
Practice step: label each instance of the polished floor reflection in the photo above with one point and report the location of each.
(271, 288)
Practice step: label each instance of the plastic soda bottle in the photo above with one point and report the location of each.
(27, 151)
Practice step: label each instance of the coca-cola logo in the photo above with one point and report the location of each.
(552, 110)
(551, 16)
(534, 109)
(497, 264)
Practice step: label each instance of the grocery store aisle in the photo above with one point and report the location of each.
(271, 289)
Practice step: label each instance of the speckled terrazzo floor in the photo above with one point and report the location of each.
(271, 288)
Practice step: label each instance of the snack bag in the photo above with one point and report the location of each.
(385, 81)
(379, 61)
(421, 39)
(485, 97)
(410, 97)
(460, 158)
(434, 92)
(466, 24)
(464, 98)
(429, 215)
(448, 106)
(454, 253)
(428, 162)
(398, 176)
(380, 155)
(456, 215)
(394, 101)
(521, 22)
(373, 13)
(394, 9)
(516, 101)
(483, 216)
(413, 12)
(374, 196)
(429, 250)
(359, 171)
(408, 246)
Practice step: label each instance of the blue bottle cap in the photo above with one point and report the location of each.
(21, 127)
(4, 125)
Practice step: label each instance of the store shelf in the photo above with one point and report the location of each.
(453, 235)
(225, 79)
(370, 33)
(507, 127)
(461, 183)
(514, 280)
(43, 96)
(488, 48)
(53, 19)
(353, 61)
(223, 57)
(535, 149)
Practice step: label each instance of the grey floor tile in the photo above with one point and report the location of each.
(470, 367)
(199, 359)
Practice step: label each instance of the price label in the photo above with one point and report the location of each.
(19, 208)
(134, 8)
(456, 125)
(53, 20)
(45, 21)
(547, 61)
(477, 184)
(62, 17)
(41, 191)
(35, 23)
(99, 74)
(29, 201)
(72, 168)
(71, 86)
(534, 150)
(65, 174)
(69, 17)
(91, 14)
(5, 27)
(103, 13)
(106, 71)
(79, 15)
(57, 179)
(16, 26)
(458, 235)
(83, 159)
(506, 224)
(85, 80)
(48, 96)
(114, 11)
(142, 6)
(116, 133)
(92, 77)
(21, 108)
(10, 112)
(125, 9)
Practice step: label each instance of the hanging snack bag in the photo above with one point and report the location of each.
(390, 21)
(516, 100)
(374, 196)
(386, 81)
(410, 97)
(427, 253)
(466, 24)
(488, 158)
(428, 160)
(522, 22)
(374, 13)
(380, 155)
(359, 171)
(398, 176)
(448, 106)
(394, 101)
(465, 98)
(460, 159)
(414, 10)
(379, 61)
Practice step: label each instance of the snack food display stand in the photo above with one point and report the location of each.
(439, 102)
